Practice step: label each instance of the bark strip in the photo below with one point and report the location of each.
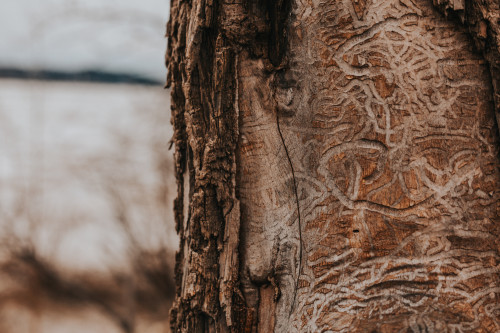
(201, 74)
(205, 40)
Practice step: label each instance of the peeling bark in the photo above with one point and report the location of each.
(201, 67)
(337, 165)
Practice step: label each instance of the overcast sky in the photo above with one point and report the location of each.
(113, 35)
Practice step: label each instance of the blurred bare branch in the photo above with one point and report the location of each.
(135, 192)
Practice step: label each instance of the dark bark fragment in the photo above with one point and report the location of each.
(482, 18)
(201, 76)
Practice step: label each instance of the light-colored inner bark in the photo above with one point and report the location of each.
(383, 127)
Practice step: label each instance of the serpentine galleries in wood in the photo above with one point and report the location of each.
(337, 165)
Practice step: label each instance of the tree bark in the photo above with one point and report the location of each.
(337, 165)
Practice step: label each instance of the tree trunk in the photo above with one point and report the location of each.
(337, 165)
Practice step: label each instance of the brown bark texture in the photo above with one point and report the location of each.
(337, 165)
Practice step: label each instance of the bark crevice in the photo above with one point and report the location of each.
(297, 201)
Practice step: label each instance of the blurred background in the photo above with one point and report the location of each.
(86, 174)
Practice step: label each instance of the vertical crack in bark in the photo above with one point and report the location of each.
(298, 211)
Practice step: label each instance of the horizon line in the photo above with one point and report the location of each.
(92, 75)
